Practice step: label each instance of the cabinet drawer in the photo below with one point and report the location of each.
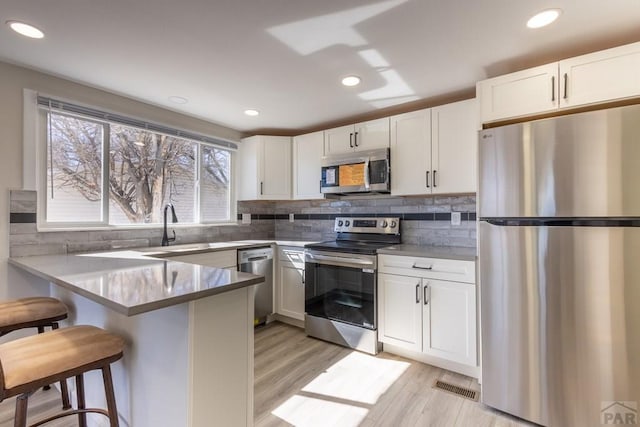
(431, 268)
(293, 256)
(219, 259)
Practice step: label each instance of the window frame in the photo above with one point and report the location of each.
(35, 172)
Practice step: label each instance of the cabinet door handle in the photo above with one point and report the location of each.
(355, 138)
(427, 179)
(418, 293)
(304, 273)
(434, 178)
(261, 188)
(351, 140)
(566, 78)
(553, 88)
(422, 268)
(425, 290)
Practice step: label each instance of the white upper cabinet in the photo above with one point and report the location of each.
(339, 140)
(519, 94)
(454, 140)
(411, 153)
(598, 77)
(361, 136)
(601, 76)
(307, 160)
(264, 168)
(433, 151)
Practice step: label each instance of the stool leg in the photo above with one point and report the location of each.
(64, 391)
(20, 419)
(41, 331)
(110, 395)
(82, 417)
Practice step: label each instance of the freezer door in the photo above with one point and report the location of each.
(560, 312)
(580, 165)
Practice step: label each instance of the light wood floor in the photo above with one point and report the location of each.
(307, 382)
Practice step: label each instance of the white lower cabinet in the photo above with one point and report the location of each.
(400, 311)
(290, 283)
(428, 316)
(449, 320)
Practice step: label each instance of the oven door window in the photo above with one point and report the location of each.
(343, 294)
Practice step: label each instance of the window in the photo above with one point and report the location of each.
(102, 172)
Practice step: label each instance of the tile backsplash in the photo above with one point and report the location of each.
(425, 220)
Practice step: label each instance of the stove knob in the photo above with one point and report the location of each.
(340, 223)
(347, 223)
(393, 224)
(383, 224)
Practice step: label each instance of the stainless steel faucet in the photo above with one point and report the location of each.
(165, 237)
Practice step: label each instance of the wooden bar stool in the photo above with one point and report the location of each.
(26, 364)
(34, 312)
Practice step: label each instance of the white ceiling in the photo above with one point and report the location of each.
(286, 57)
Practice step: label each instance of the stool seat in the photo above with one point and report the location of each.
(31, 362)
(30, 312)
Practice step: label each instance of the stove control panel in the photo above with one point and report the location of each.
(367, 225)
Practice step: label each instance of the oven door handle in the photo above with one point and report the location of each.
(353, 261)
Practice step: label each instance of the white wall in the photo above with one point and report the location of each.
(13, 80)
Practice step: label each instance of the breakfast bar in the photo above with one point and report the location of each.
(188, 330)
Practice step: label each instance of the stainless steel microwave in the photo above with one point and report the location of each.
(357, 172)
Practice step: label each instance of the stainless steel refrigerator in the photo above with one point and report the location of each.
(559, 251)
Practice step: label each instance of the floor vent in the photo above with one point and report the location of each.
(459, 391)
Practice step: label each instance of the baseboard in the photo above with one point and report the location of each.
(471, 371)
(289, 320)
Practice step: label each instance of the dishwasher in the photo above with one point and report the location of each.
(259, 261)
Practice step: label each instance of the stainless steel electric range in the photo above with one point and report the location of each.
(341, 290)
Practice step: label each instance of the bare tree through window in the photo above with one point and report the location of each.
(146, 171)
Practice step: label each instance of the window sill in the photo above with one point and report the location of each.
(51, 229)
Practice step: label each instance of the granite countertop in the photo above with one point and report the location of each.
(444, 252)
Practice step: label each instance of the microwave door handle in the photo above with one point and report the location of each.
(367, 180)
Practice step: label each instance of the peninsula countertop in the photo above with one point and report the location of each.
(140, 280)
(130, 282)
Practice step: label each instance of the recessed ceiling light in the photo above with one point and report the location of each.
(25, 29)
(251, 112)
(178, 99)
(351, 81)
(543, 18)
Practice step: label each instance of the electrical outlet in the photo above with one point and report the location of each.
(456, 218)
(291, 217)
(246, 218)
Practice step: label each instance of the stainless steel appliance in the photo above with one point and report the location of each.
(341, 282)
(559, 247)
(259, 261)
(366, 171)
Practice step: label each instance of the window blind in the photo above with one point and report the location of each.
(68, 107)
